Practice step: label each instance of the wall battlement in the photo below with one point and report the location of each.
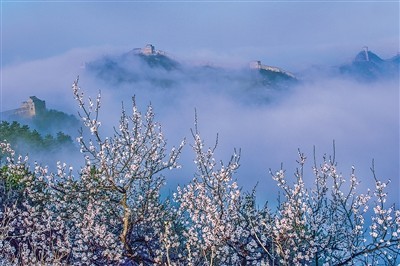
(258, 65)
(29, 108)
(148, 50)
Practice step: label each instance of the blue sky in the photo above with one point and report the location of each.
(291, 34)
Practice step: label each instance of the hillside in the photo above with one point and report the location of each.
(33, 112)
(27, 141)
(368, 66)
(155, 69)
(43, 134)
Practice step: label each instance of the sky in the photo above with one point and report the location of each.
(290, 34)
(45, 43)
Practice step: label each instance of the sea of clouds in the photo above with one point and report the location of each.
(361, 118)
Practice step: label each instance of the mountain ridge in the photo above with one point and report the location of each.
(368, 66)
(33, 112)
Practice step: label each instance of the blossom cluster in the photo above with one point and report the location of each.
(110, 211)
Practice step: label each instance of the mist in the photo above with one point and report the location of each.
(361, 119)
(267, 125)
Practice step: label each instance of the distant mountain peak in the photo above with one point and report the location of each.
(367, 56)
(29, 108)
(258, 65)
(148, 50)
(34, 113)
(368, 66)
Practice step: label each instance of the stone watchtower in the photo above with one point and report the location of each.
(29, 108)
(148, 49)
(33, 106)
(255, 65)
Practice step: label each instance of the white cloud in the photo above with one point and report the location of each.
(363, 119)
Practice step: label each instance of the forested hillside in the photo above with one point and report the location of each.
(29, 141)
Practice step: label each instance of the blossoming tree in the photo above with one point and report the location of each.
(110, 211)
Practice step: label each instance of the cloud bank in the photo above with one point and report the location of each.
(362, 119)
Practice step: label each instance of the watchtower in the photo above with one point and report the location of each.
(366, 53)
(148, 49)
